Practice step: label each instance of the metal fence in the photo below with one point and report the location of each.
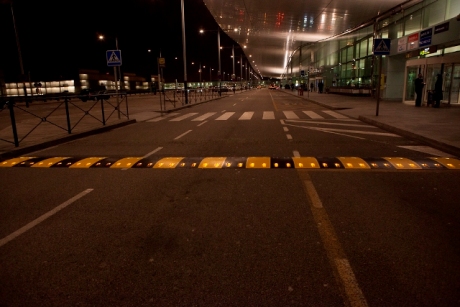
(63, 113)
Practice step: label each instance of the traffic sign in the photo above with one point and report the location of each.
(382, 46)
(113, 57)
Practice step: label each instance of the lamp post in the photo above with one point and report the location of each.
(219, 73)
(184, 52)
(115, 70)
(21, 64)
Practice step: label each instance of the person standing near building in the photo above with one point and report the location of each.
(419, 85)
(320, 86)
(438, 91)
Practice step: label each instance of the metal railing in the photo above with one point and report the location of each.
(64, 113)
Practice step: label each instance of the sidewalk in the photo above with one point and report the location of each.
(435, 127)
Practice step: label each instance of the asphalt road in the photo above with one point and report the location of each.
(232, 237)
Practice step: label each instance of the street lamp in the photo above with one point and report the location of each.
(218, 52)
(115, 70)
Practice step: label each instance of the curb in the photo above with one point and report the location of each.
(433, 143)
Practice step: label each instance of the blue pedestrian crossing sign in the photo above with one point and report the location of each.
(113, 57)
(382, 46)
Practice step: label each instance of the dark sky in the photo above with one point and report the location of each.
(59, 37)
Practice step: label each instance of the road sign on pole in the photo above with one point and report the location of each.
(113, 57)
(382, 46)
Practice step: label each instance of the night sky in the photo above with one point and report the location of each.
(59, 37)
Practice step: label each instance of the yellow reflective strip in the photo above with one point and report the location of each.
(87, 162)
(402, 163)
(451, 163)
(49, 162)
(168, 162)
(14, 161)
(305, 162)
(258, 162)
(212, 162)
(125, 162)
(354, 162)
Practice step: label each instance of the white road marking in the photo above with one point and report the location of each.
(152, 152)
(225, 116)
(268, 115)
(428, 150)
(290, 115)
(40, 219)
(246, 116)
(204, 116)
(286, 129)
(178, 137)
(162, 117)
(335, 114)
(296, 153)
(313, 114)
(183, 117)
(356, 131)
(289, 137)
(331, 124)
(202, 123)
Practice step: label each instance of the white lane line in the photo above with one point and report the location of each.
(225, 116)
(40, 219)
(330, 124)
(428, 150)
(335, 114)
(268, 115)
(296, 153)
(183, 117)
(289, 137)
(355, 131)
(312, 114)
(246, 116)
(152, 152)
(204, 116)
(178, 137)
(202, 123)
(157, 119)
(286, 129)
(290, 115)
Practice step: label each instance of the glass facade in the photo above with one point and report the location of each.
(348, 61)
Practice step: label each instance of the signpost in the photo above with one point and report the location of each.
(381, 47)
(114, 59)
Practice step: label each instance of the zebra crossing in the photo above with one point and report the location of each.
(249, 115)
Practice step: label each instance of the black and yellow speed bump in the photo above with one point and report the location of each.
(380, 163)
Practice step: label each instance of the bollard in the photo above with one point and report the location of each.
(13, 122)
(102, 108)
(66, 101)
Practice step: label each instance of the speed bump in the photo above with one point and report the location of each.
(264, 162)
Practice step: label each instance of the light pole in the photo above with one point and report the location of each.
(21, 65)
(184, 52)
(219, 73)
(115, 70)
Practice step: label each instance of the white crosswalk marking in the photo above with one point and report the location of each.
(249, 115)
(225, 116)
(177, 119)
(268, 115)
(290, 115)
(246, 116)
(204, 116)
(162, 117)
(313, 115)
(334, 114)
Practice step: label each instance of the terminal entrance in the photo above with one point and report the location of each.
(448, 66)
